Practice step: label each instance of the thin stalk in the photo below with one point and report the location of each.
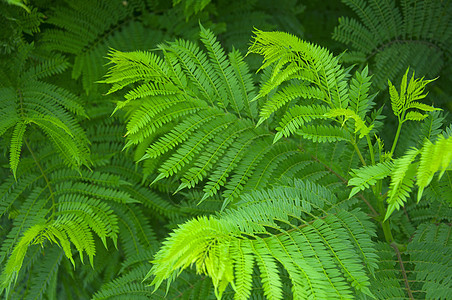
(375, 213)
(396, 137)
(402, 269)
(384, 224)
(361, 158)
(371, 149)
(52, 196)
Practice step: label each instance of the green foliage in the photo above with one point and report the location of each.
(312, 245)
(392, 38)
(183, 164)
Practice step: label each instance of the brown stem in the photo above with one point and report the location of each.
(345, 182)
(402, 268)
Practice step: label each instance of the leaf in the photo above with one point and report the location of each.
(434, 157)
(402, 181)
(16, 146)
(367, 176)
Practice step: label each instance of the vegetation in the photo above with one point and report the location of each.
(201, 150)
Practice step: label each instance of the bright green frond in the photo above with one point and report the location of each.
(297, 116)
(367, 176)
(229, 87)
(273, 228)
(360, 100)
(410, 91)
(294, 58)
(402, 181)
(96, 214)
(346, 114)
(323, 133)
(434, 157)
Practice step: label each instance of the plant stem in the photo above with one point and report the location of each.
(402, 269)
(384, 224)
(396, 137)
(361, 158)
(52, 196)
(371, 149)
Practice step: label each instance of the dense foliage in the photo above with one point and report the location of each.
(201, 150)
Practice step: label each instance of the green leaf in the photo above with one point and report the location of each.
(367, 176)
(16, 146)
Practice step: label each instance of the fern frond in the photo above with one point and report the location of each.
(402, 181)
(244, 170)
(434, 157)
(430, 251)
(367, 176)
(90, 43)
(44, 281)
(52, 108)
(229, 162)
(294, 58)
(127, 286)
(245, 82)
(103, 222)
(56, 65)
(346, 114)
(191, 7)
(10, 272)
(297, 116)
(213, 152)
(285, 95)
(188, 150)
(268, 168)
(180, 133)
(11, 190)
(184, 136)
(138, 66)
(209, 242)
(393, 38)
(360, 100)
(16, 146)
(323, 133)
(229, 85)
(387, 283)
(69, 147)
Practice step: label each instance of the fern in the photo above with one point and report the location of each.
(226, 247)
(392, 38)
(291, 182)
(434, 157)
(367, 176)
(432, 241)
(89, 43)
(185, 75)
(52, 109)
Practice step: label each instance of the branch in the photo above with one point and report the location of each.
(402, 268)
(374, 212)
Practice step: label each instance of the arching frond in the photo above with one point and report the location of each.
(267, 231)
